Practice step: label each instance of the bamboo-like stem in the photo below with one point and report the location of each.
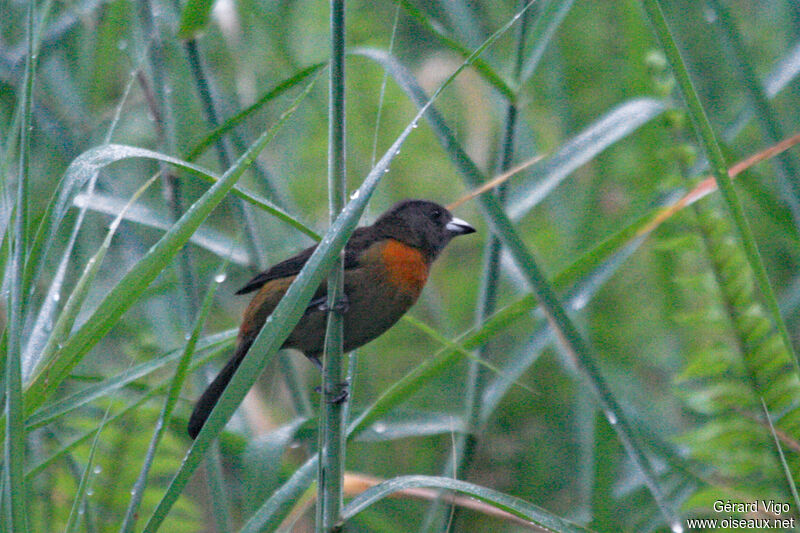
(332, 423)
(15, 501)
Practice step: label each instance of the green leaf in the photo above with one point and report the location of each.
(207, 238)
(544, 28)
(292, 81)
(42, 358)
(152, 392)
(582, 148)
(14, 495)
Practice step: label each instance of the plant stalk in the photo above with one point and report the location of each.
(334, 386)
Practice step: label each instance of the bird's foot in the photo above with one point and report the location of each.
(339, 394)
(340, 306)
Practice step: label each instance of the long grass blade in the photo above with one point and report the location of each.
(618, 123)
(787, 472)
(35, 348)
(79, 503)
(785, 165)
(152, 392)
(66, 319)
(207, 238)
(544, 28)
(218, 132)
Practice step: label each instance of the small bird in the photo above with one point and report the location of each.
(386, 266)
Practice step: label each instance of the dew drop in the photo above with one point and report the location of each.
(379, 427)
(710, 15)
(56, 297)
(219, 278)
(676, 528)
(612, 418)
(122, 44)
(355, 194)
(90, 492)
(580, 302)
(97, 469)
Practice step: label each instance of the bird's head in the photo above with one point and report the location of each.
(425, 225)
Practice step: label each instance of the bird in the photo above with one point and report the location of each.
(386, 266)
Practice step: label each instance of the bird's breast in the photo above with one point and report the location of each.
(405, 265)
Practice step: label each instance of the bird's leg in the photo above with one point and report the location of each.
(339, 394)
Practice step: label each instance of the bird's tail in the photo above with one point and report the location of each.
(211, 395)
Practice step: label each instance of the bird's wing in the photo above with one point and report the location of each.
(284, 269)
(361, 239)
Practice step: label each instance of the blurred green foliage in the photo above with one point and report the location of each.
(661, 319)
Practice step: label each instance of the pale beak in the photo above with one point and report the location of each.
(459, 227)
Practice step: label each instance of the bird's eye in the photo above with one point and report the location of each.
(437, 214)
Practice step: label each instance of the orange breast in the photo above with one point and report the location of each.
(406, 265)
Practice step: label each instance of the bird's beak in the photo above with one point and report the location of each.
(459, 227)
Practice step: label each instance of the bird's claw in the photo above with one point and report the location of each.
(341, 306)
(339, 394)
